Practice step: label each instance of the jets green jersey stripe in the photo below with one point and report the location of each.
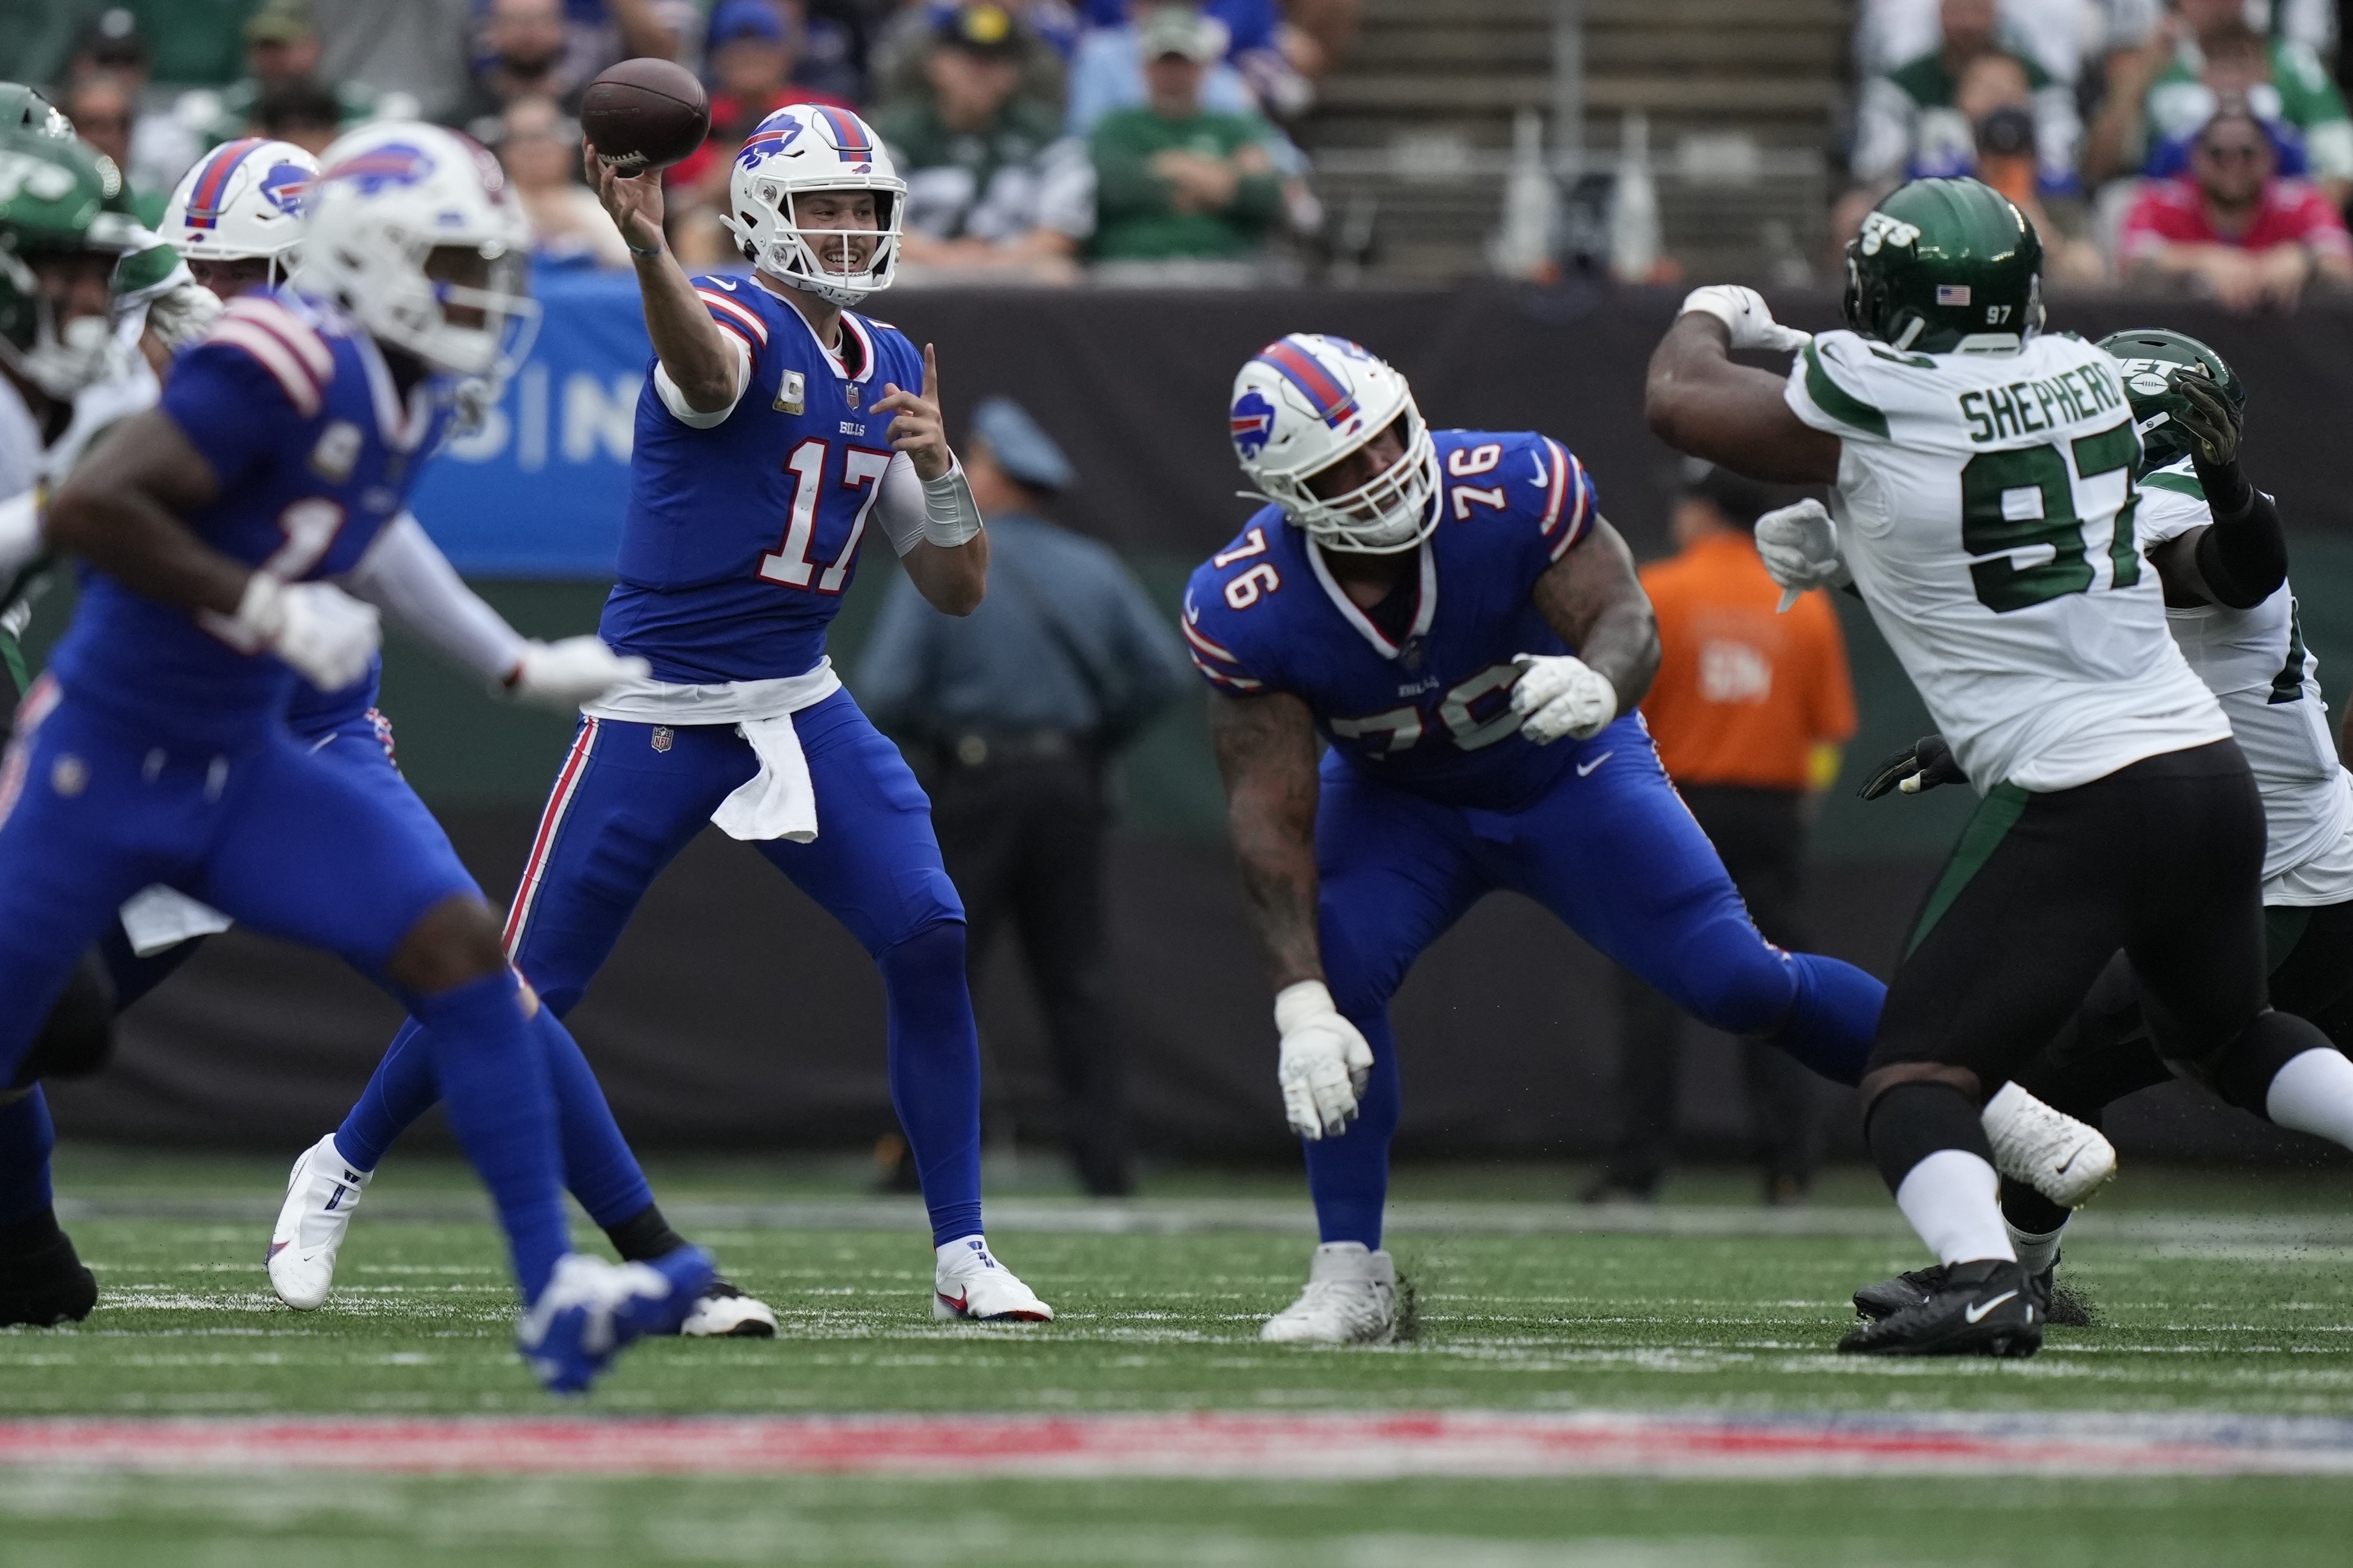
(1839, 402)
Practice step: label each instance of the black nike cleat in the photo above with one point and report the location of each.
(1988, 1307)
(46, 1285)
(2063, 1306)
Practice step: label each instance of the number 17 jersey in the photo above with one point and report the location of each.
(1985, 504)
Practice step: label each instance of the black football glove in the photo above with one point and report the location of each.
(2210, 423)
(1924, 764)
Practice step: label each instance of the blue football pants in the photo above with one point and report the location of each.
(314, 841)
(628, 798)
(1616, 854)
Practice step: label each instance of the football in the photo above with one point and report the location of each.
(645, 114)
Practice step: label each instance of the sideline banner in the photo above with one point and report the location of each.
(541, 489)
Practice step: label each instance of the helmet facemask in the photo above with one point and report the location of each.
(823, 262)
(60, 359)
(1388, 514)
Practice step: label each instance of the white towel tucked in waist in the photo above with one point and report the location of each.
(157, 917)
(780, 801)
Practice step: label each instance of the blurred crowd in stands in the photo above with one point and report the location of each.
(1141, 139)
(2196, 145)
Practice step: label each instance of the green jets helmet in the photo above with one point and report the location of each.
(54, 199)
(2152, 357)
(1946, 266)
(23, 108)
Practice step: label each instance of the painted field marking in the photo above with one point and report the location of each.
(1334, 1447)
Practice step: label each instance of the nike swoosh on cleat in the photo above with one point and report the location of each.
(1585, 768)
(2063, 1169)
(1976, 1314)
(955, 1303)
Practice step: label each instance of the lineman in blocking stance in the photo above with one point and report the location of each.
(2217, 545)
(1982, 478)
(1415, 597)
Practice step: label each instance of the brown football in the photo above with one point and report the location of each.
(645, 114)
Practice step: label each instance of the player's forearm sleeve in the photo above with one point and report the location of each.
(951, 516)
(2243, 557)
(405, 576)
(900, 508)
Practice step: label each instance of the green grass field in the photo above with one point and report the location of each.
(2217, 1295)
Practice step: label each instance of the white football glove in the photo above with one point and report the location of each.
(1562, 695)
(1325, 1062)
(325, 634)
(1745, 315)
(568, 672)
(180, 316)
(1800, 546)
(20, 535)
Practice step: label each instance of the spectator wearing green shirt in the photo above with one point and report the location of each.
(1173, 182)
(2198, 55)
(993, 186)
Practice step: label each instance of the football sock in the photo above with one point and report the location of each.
(597, 1165)
(1949, 1199)
(934, 1060)
(2029, 1213)
(26, 1140)
(1834, 1020)
(644, 1236)
(1348, 1176)
(400, 1091)
(2036, 1251)
(493, 1084)
(2313, 1093)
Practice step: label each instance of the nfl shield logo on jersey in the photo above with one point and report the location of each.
(662, 736)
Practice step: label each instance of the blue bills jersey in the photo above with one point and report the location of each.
(742, 537)
(314, 449)
(1429, 709)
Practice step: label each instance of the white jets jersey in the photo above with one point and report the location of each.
(1983, 505)
(2255, 662)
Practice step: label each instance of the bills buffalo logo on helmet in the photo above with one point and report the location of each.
(394, 164)
(1253, 424)
(284, 186)
(774, 136)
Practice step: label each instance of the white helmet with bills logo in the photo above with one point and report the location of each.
(1308, 401)
(409, 225)
(243, 201)
(801, 149)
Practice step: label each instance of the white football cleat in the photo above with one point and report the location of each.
(321, 1194)
(724, 1312)
(2064, 1160)
(1350, 1299)
(968, 1284)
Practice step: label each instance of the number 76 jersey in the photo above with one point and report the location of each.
(1985, 504)
(1419, 698)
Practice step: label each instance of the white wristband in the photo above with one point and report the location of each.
(1298, 1005)
(262, 609)
(951, 517)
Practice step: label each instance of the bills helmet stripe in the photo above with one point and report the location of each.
(1331, 401)
(849, 133)
(550, 822)
(205, 201)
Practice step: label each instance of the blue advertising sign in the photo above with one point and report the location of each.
(540, 490)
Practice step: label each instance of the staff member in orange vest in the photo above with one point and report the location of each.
(1750, 709)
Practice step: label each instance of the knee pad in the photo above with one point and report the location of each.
(2241, 1071)
(78, 1033)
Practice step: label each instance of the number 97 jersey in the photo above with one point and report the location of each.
(1985, 504)
(1418, 691)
